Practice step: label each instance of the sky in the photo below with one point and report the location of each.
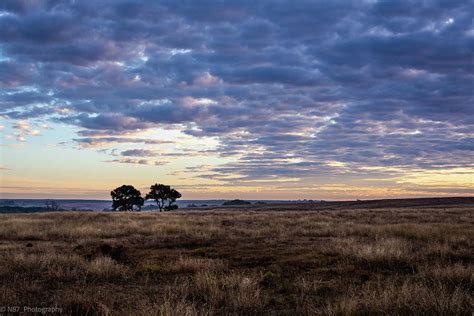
(237, 99)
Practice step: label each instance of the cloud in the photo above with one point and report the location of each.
(107, 141)
(138, 153)
(286, 88)
(206, 79)
(138, 161)
(107, 121)
(21, 125)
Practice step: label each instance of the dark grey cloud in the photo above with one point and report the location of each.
(15, 73)
(107, 121)
(286, 87)
(138, 153)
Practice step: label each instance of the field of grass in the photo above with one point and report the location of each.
(311, 259)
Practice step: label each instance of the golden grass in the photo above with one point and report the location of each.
(325, 262)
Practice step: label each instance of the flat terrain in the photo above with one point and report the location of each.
(356, 258)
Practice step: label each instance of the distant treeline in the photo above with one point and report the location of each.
(26, 209)
(236, 202)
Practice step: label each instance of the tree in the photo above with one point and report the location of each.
(52, 205)
(127, 198)
(165, 197)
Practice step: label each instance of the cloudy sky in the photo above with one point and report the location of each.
(249, 99)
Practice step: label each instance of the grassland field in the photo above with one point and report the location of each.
(407, 257)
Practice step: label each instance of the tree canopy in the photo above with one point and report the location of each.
(126, 198)
(165, 197)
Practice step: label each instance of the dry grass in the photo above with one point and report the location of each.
(409, 297)
(331, 262)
